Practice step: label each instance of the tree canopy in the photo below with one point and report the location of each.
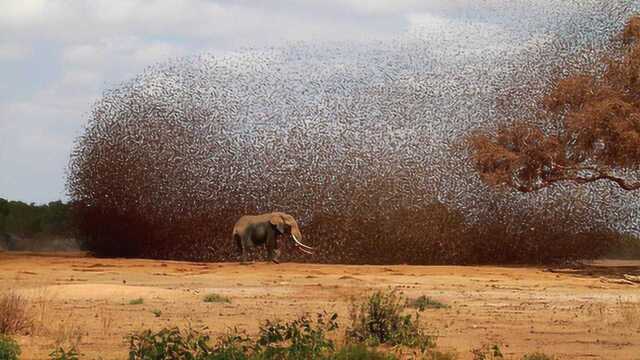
(17, 217)
(593, 130)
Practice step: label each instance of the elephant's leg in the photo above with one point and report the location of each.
(245, 244)
(239, 243)
(272, 247)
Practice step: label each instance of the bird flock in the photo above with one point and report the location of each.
(339, 134)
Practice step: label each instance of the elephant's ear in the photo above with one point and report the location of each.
(289, 220)
(276, 220)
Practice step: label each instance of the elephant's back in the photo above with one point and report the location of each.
(247, 220)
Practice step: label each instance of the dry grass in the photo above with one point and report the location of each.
(629, 312)
(68, 334)
(14, 314)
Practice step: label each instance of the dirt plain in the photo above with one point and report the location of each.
(585, 313)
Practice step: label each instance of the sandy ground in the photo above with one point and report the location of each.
(574, 314)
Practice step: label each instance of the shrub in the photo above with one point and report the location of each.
(168, 344)
(61, 354)
(423, 302)
(537, 356)
(9, 349)
(14, 316)
(487, 352)
(379, 320)
(216, 298)
(299, 339)
(438, 355)
(360, 352)
(302, 338)
(138, 301)
(234, 345)
(156, 312)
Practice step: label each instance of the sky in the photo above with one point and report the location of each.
(56, 58)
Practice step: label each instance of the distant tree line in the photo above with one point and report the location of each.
(31, 220)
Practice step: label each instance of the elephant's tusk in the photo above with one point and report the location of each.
(303, 250)
(300, 244)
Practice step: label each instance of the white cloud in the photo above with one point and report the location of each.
(157, 52)
(22, 13)
(13, 51)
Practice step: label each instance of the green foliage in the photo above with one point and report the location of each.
(379, 320)
(138, 301)
(9, 349)
(234, 345)
(168, 344)
(302, 338)
(538, 356)
(298, 339)
(487, 352)
(216, 298)
(156, 312)
(360, 352)
(438, 355)
(423, 302)
(30, 220)
(61, 354)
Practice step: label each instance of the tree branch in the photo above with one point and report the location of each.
(572, 176)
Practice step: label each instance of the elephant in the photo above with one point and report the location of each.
(254, 230)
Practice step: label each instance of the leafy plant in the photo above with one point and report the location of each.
(9, 348)
(156, 312)
(538, 356)
(487, 352)
(302, 338)
(216, 298)
(299, 339)
(61, 354)
(138, 301)
(379, 320)
(423, 302)
(360, 352)
(234, 345)
(438, 355)
(168, 344)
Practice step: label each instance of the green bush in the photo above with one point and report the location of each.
(168, 344)
(298, 339)
(302, 338)
(138, 301)
(438, 355)
(216, 298)
(538, 356)
(423, 302)
(379, 320)
(9, 349)
(487, 352)
(234, 345)
(62, 354)
(360, 352)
